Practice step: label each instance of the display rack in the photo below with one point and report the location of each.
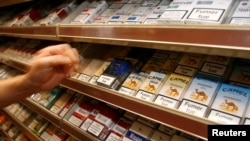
(222, 40)
(22, 127)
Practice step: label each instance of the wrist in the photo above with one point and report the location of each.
(26, 85)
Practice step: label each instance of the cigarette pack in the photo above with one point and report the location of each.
(116, 73)
(158, 135)
(91, 12)
(167, 130)
(200, 94)
(229, 104)
(69, 104)
(80, 113)
(132, 83)
(99, 72)
(147, 122)
(24, 114)
(90, 70)
(13, 132)
(153, 14)
(119, 129)
(209, 12)
(241, 72)
(61, 101)
(103, 121)
(172, 90)
(49, 131)
(48, 99)
(172, 62)
(218, 59)
(59, 135)
(150, 86)
(176, 12)
(40, 127)
(139, 131)
(155, 62)
(241, 15)
(130, 115)
(214, 69)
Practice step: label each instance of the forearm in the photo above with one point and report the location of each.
(15, 89)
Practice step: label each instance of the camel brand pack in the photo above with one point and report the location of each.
(200, 94)
(229, 104)
(172, 90)
(150, 86)
(241, 72)
(189, 64)
(132, 84)
(172, 62)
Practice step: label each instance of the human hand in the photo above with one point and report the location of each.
(51, 65)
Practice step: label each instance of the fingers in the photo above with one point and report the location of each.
(51, 61)
(59, 50)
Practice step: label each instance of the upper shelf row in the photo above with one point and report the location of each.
(209, 38)
(216, 40)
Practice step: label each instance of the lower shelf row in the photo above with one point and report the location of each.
(94, 119)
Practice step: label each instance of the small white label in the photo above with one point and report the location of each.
(107, 80)
(193, 108)
(206, 14)
(86, 124)
(185, 70)
(173, 14)
(76, 121)
(127, 91)
(84, 77)
(95, 128)
(223, 118)
(166, 102)
(103, 119)
(145, 95)
(213, 68)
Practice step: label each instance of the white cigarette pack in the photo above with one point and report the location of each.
(150, 86)
(200, 94)
(176, 12)
(131, 85)
(172, 90)
(90, 13)
(241, 15)
(209, 12)
(154, 14)
(229, 104)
